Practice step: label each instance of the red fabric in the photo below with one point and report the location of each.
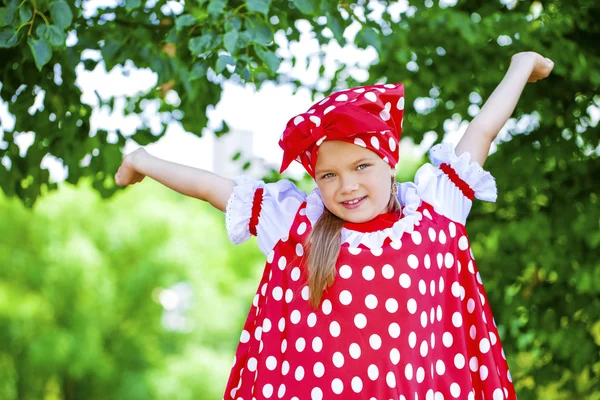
(379, 223)
(408, 321)
(462, 185)
(256, 207)
(368, 116)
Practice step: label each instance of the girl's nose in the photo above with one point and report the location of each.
(349, 185)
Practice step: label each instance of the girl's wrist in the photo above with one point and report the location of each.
(523, 61)
(138, 158)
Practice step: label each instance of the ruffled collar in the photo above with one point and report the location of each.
(374, 233)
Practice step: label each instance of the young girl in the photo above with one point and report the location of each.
(370, 290)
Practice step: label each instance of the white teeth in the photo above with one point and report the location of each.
(353, 201)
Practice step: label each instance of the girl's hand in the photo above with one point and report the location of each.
(127, 173)
(540, 66)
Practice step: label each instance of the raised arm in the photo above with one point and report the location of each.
(193, 182)
(481, 132)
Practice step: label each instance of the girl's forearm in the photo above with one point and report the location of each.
(501, 104)
(193, 182)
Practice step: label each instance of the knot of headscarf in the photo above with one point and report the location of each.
(368, 116)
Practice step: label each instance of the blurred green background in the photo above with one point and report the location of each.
(137, 294)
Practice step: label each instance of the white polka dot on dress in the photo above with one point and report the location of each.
(405, 281)
(319, 369)
(387, 271)
(391, 305)
(326, 307)
(413, 261)
(316, 394)
(463, 243)
(354, 351)
(442, 237)
(345, 271)
(282, 263)
(484, 345)
(295, 273)
(373, 372)
(267, 390)
(455, 390)
(416, 237)
(474, 364)
(412, 339)
(338, 359)
(394, 330)
(440, 367)
(411, 305)
(371, 301)
(337, 386)
(390, 379)
(311, 320)
(368, 273)
(408, 371)
(317, 344)
(356, 384)
(295, 317)
(395, 356)
(299, 374)
(375, 341)
(345, 297)
(447, 339)
(459, 361)
(360, 321)
(334, 329)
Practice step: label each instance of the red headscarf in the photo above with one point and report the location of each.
(368, 116)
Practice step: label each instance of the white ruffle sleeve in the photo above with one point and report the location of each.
(435, 187)
(279, 205)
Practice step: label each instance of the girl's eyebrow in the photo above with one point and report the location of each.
(326, 169)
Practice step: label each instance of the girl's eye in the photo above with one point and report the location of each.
(328, 175)
(362, 166)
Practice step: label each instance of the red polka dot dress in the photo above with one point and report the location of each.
(407, 316)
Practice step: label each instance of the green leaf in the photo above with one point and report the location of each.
(224, 61)
(42, 53)
(335, 24)
(41, 30)
(198, 71)
(233, 24)
(25, 13)
(109, 50)
(230, 41)
(184, 20)
(268, 58)
(368, 36)
(224, 129)
(55, 36)
(308, 7)
(200, 44)
(131, 5)
(216, 7)
(260, 6)
(243, 40)
(61, 14)
(8, 37)
(259, 32)
(7, 15)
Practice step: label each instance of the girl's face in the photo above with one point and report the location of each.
(354, 182)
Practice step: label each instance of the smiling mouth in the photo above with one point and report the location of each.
(355, 201)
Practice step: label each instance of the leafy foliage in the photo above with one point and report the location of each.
(80, 296)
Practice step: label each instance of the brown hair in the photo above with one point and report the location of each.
(323, 246)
